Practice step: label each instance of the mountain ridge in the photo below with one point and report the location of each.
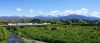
(71, 16)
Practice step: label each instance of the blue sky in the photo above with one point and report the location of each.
(31, 8)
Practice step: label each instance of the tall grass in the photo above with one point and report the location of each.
(63, 34)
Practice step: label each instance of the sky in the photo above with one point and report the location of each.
(31, 8)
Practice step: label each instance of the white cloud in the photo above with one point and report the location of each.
(95, 14)
(31, 11)
(82, 11)
(19, 9)
(53, 13)
(40, 12)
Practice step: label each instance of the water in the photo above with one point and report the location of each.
(14, 39)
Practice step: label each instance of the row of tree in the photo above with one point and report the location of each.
(69, 21)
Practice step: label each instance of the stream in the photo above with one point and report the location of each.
(14, 39)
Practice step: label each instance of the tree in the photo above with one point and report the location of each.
(35, 20)
(99, 26)
(74, 20)
(18, 21)
(82, 22)
(3, 33)
(2, 21)
(69, 22)
(12, 21)
(58, 22)
(52, 21)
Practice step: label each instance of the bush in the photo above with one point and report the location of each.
(4, 34)
(54, 28)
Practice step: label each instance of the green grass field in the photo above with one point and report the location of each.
(62, 34)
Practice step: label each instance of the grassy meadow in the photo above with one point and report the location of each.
(61, 33)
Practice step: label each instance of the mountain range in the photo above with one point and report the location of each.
(12, 17)
(71, 16)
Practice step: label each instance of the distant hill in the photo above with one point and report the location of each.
(71, 16)
(11, 17)
(67, 17)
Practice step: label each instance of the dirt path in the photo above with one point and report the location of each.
(31, 41)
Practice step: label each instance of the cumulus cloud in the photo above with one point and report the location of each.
(40, 12)
(95, 14)
(31, 11)
(53, 13)
(82, 11)
(19, 9)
